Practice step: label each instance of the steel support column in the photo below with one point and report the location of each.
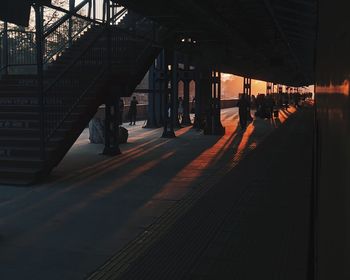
(199, 120)
(4, 51)
(175, 90)
(70, 23)
(212, 93)
(161, 85)
(112, 101)
(247, 91)
(217, 128)
(269, 86)
(169, 95)
(39, 38)
(186, 119)
(112, 121)
(206, 92)
(280, 89)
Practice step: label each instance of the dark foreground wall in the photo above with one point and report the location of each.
(333, 141)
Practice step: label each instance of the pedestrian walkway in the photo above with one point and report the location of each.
(251, 223)
(94, 207)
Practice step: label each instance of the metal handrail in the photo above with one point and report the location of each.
(54, 44)
(63, 46)
(51, 93)
(92, 56)
(20, 48)
(118, 15)
(51, 132)
(75, 104)
(66, 17)
(74, 61)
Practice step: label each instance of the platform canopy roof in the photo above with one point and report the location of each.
(271, 40)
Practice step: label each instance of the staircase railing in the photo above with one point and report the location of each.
(65, 31)
(65, 91)
(17, 49)
(61, 89)
(18, 46)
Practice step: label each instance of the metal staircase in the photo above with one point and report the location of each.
(42, 114)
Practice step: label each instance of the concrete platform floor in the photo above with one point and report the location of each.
(92, 206)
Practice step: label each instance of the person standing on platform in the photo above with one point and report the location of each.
(180, 109)
(243, 105)
(133, 111)
(193, 109)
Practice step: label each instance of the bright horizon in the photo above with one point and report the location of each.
(232, 85)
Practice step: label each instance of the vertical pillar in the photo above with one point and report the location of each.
(217, 128)
(39, 40)
(175, 90)
(186, 119)
(207, 98)
(169, 104)
(89, 9)
(203, 98)
(5, 52)
(197, 110)
(161, 87)
(112, 101)
(94, 10)
(247, 87)
(247, 91)
(268, 88)
(111, 147)
(70, 23)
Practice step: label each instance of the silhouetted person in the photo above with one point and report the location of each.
(133, 111)
(243, 105)
(180, 109)
(193, 109)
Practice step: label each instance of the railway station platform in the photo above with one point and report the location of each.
(193, 207)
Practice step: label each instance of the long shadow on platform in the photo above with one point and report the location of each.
(92, 208)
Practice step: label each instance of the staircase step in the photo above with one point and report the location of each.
(29, 131)
(19, 132)
(19, 175)
(22, 151)
(19, 116)
(17, 141)
(18, 87)
(21, 162)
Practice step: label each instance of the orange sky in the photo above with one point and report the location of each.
(232, 85)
